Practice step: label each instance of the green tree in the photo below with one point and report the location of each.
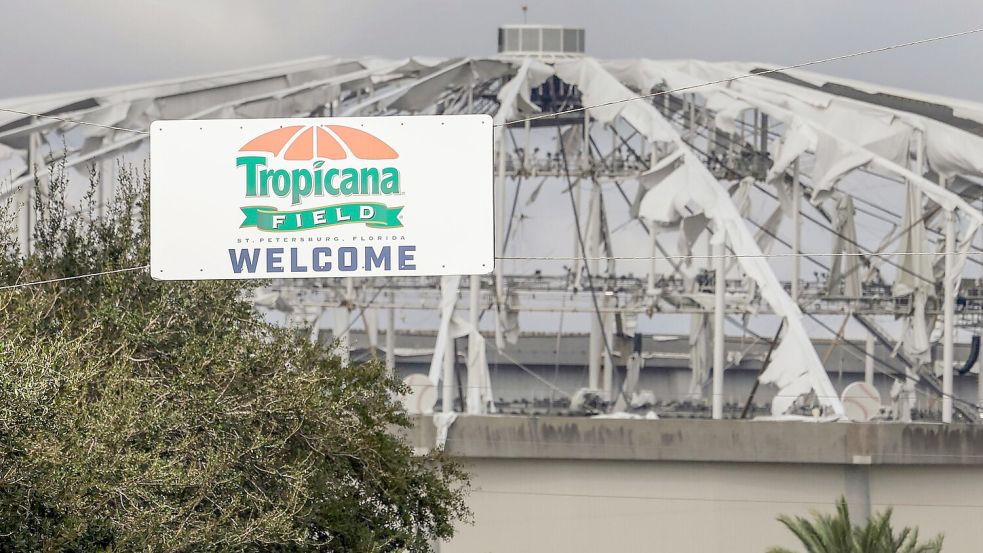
(836, 534)
(169, 416)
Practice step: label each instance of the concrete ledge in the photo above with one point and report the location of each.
(521, 437)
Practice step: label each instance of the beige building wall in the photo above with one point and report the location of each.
(578, 484)
(533, 505)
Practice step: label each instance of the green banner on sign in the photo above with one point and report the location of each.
(373, 215)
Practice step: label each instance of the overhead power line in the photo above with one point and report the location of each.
(533, 258)
(74, 277)
(749, 75)
(74, 121)
(708, 256)
(519, 258)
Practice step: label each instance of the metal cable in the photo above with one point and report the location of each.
(583, 250)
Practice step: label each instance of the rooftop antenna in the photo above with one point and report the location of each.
(525, 12)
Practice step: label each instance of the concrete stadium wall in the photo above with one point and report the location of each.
(587, 485)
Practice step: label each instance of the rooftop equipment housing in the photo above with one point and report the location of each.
(540, 39)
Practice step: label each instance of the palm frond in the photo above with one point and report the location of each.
(834, 533)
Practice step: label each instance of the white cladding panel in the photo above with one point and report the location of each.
(321, 197)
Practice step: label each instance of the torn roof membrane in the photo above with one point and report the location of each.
(843, 125)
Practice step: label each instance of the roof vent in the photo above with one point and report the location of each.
(540, 39)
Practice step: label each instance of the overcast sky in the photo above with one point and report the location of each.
(52, 46)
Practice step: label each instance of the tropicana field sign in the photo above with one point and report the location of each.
(322, 197)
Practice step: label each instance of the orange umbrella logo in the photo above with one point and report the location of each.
(305, 142)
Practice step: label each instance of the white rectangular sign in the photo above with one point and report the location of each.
(321, 197)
